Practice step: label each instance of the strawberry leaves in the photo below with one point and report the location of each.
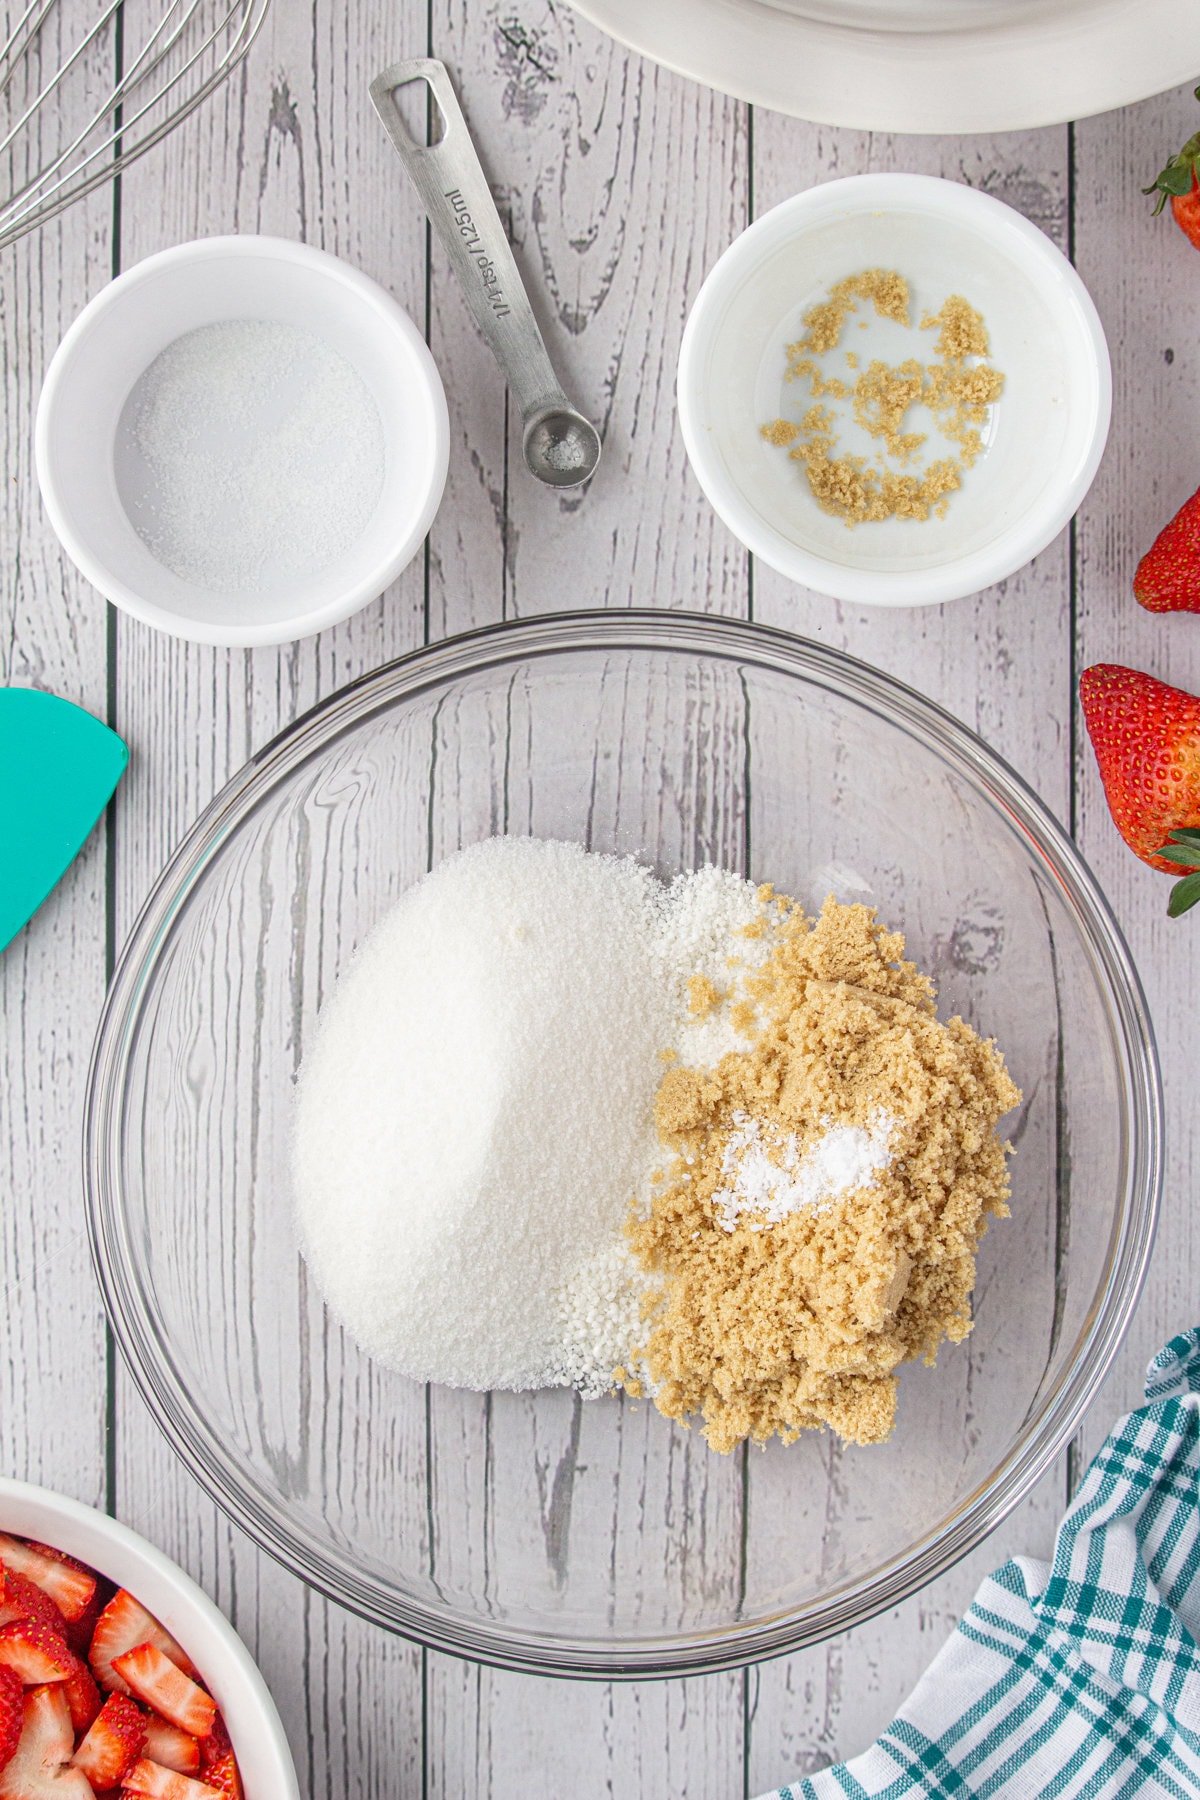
(1180, 174)
(1183, 849)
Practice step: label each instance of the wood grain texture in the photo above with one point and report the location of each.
(291, 148)
(651, 1738)
(622, 184)
(821, 1705)
(1143, 276)
(52, 977)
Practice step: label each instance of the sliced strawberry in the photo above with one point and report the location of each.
(79, 1632)
(223, 1775)
(12, 1713)
(83, 1696)
(151, 1779)
(36, 1653)
(154, 1679)
(38, 1768)
(218, 1762)
(61, 1556)
(113, 1744)
(215, 1745)
(21, 1598)
(122, 1626)
(67, 1582)
(173, 1748)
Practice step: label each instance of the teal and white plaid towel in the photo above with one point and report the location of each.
(1079, 1680)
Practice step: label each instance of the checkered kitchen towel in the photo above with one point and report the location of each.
(1079, 1680)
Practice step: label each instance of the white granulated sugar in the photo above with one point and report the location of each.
(475, 1113)
(708, 913)
(476, 1110)
(250, 453)
(769, 1177)
(599, 1316)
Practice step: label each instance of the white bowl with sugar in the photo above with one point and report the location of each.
(242, 440)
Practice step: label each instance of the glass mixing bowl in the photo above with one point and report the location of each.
(538, 1531)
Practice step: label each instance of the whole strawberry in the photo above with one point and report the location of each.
(1146, 736)
(1178, 183)
(1168, 577)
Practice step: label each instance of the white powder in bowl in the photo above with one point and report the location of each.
(769, 1177)
(249, 453)
(475, 1113)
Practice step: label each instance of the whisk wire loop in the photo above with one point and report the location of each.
(190, 48)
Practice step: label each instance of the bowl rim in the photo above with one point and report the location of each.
(958, 576)
(1004, 75)
(389, 319)
(131, 1561)
(1040, 1440)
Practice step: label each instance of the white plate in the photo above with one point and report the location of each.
(918, 65)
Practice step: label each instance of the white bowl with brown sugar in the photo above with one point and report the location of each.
(894, 389)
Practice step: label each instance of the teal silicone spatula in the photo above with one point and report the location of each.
(58, 768)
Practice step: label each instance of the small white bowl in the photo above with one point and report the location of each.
(1044, 438)
(227, 1668)
(119, 334)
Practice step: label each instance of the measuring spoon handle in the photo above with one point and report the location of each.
(454, 189)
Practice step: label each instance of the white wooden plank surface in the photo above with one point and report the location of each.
(1144, 279)
(622, 184)
(53, 1341)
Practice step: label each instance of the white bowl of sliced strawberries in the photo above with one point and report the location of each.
(118, 1676)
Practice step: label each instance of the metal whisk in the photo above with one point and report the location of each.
(147, 87)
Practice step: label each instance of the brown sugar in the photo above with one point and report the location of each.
(883, 397)
(959, 398)
(825, 322)
(775, 1322)
(961, 330)
(702, 996)
(819, 384)
(956, 394)
(781, 432)
(847, 488)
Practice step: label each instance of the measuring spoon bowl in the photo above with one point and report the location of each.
(561, 447)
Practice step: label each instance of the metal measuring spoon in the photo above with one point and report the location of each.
(561, 447)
